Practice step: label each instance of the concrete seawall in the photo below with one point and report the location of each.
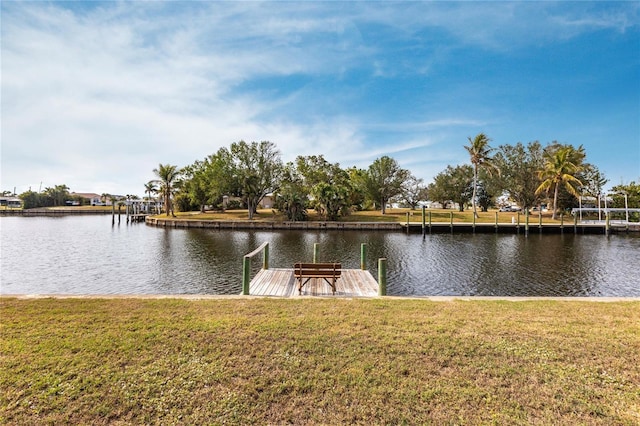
(392, 226)
(259, 225)
(53, 212)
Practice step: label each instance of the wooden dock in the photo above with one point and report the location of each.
(280, 282)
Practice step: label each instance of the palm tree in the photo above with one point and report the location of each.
(560, 167)
(168, 175)
(149, 188)
(479, 151)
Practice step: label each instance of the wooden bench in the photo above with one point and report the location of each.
(330, 272)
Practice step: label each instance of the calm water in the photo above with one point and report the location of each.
(86, 255)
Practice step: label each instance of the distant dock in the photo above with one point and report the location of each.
(514, 228)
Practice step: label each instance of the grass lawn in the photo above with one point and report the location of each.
(392, 215)
(318, 361)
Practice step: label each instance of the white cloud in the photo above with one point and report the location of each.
(96, 95)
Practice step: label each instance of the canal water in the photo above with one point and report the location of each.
(87, 255)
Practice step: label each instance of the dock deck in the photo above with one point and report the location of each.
(281, 282)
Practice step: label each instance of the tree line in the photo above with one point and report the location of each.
(528, 175)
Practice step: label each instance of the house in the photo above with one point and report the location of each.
(8, 203)
(91, 198)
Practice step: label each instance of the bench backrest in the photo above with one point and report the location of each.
(318, 268)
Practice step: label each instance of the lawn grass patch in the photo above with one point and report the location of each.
(318, 361)
(392, 215)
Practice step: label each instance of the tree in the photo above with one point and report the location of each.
(150, 188)
(259, 169)
(479, 152)
(561, 164)
(632, 193)
(413, 191)
(30, 199)
(327, 184)
(331, 200)
(168, 176)
(519, 166)
(57, 196)
(453, 184)
(220, 175)
(292, 198)
(384, 180)
(357, 182)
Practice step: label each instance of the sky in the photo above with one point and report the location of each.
(95, 95)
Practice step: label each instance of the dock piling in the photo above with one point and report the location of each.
(382, 276)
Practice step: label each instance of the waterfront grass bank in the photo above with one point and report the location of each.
(318, 361)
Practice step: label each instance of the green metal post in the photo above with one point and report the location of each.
(315, 252)
(265, 257)
(382, 276)
(246, 275)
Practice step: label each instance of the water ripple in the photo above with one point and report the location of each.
(86, 255)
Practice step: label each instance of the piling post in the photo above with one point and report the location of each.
(363, 256)
(562, 223)
(540, 220)
(429, 222)
(407, 222)
(315, 252)
(473, 226)
(496, 221)
(518, 223)
(246, 275)
(113, 213)
(607, 224)
(575, 224)
(526, 222)
(451, 221)
(265, 257)
(424, 225)
(382, 276)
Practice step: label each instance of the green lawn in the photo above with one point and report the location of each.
(318, 361)
(392, 215)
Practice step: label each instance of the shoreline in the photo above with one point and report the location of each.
(534, 226)
(597, 299)
(409, 227)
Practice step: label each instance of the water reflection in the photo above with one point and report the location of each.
(86, 255)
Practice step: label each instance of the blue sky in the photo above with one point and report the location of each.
(96, 94)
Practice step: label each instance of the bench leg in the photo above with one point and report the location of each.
(301, 284)
(332, 283)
